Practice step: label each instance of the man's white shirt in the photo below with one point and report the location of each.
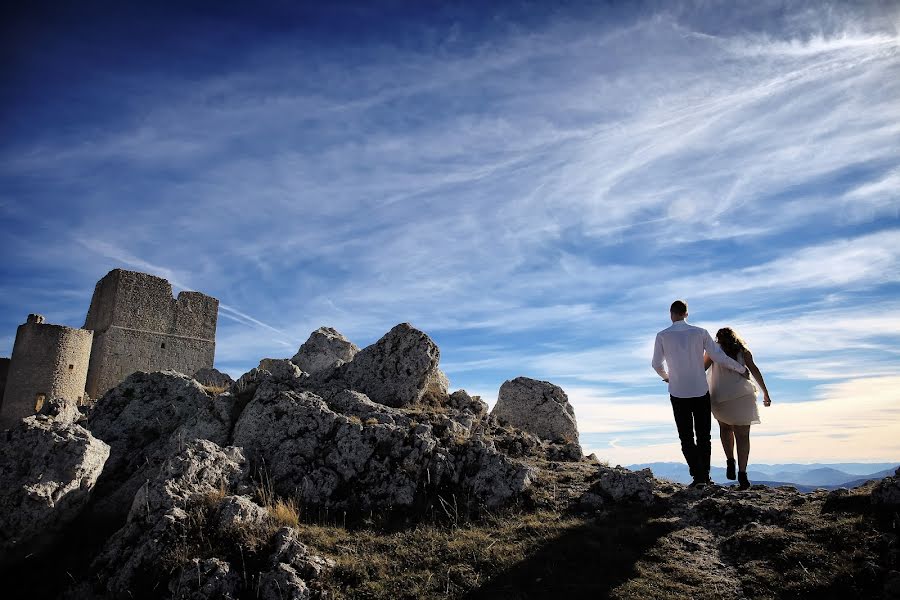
(681, 346)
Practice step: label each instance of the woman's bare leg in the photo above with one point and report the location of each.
(742, 437)
(726, 434)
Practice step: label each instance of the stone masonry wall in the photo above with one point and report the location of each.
(4, 370)
(120, 352)
(50, 360)
(139, 326)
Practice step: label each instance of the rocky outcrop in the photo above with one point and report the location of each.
(275, 374)
(160, 512)
(48, 469)
(213, 378)
(399, 370)
(887, 491)
(618, 484)
(538, 407)
(146, 420)
(370, 457)
(325, 350)
(186, 534)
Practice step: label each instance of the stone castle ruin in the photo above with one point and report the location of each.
(139, 326)
(133, 324)
(48, 361)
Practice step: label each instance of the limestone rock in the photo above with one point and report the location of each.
(61, 410)
(208, 579)
(887, 491)
(147, 419)
(620, 484)
(493, 476)
(397, 370)
(159, 518)
(276, 374)
(369, 459)
(292, 565)
(461, 401)
(538, 407)
(48, 469)
(213, 378)
(355, 404)
(325, 349)
(239, 513)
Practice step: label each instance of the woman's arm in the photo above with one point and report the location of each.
(707, 362)
(751, 366)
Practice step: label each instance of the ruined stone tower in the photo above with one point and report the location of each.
(139, 326)
(48, 361)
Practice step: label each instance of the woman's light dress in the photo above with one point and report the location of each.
(733, 398)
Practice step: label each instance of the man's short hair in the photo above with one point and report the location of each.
(679, 307)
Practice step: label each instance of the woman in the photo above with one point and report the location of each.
(733, 402)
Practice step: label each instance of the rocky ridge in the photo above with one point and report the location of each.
(191, 489)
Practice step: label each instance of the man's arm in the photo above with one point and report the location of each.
(658, 357)
(719, 357)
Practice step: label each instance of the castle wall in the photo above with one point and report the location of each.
(49, 361)
(4, 370)
(139, 326)
(119, 352)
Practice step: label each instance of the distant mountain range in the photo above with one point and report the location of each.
(804, 477)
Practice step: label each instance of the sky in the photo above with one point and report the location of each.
(530, 183)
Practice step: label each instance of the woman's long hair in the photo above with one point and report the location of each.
(730, 342)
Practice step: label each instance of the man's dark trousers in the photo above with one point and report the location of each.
(692, 414)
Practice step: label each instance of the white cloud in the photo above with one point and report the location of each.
(856, 420)
(550, 190)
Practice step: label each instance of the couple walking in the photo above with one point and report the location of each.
(688, 353)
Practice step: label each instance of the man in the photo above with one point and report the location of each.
(681, 346)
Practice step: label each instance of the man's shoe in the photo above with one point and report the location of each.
(700, 482)
(730, 469)
(743, 482)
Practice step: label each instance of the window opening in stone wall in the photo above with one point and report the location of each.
(163, 345)
(71, 367)
(39, 402)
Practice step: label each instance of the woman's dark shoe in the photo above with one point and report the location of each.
(743, 482)
(730, 469)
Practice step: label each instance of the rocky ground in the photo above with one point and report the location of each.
(348, 473)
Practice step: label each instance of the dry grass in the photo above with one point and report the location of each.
(431, 560)
(214, 390)
(284, 512)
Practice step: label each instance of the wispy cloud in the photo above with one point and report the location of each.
(541, 191)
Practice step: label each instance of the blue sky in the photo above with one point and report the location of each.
(531, 185)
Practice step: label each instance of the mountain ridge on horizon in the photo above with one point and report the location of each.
(805, 476)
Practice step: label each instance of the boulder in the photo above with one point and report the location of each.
(147, 419)
(398, 370)
(619, 484)
(538, 407)
(325, 349)
(213, 378)
(462, 402)
(48, 469)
